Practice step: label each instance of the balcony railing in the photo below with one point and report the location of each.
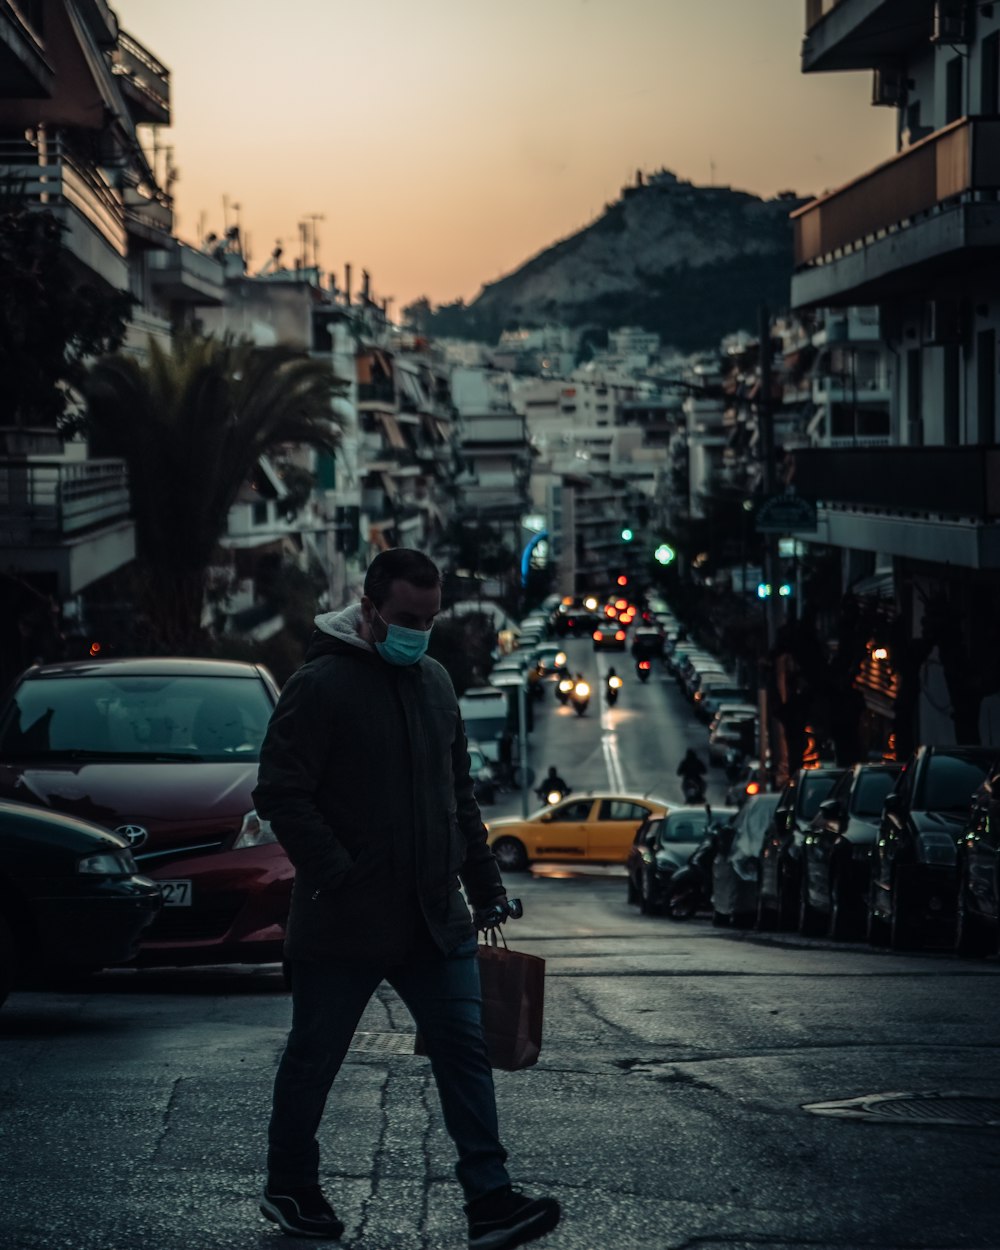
(947, 481)
(51, 177)
(946, 167)
(43, 500)
(148, 80)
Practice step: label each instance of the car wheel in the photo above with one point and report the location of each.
(765, 918)
(843, 913)
(8, 959)
(647, 903)
(902, 929)
(720, 919)
(633, 894)
(876, 929)
(973, 937)
(510, 854)
(808, 920)
(788, 898)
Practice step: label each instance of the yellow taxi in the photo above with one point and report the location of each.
(597, 827)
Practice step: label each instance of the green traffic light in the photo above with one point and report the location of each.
(664, 554)
(627, 535)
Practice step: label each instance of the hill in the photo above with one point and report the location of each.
(690, 263)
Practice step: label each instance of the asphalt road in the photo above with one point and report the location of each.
(667, 1109)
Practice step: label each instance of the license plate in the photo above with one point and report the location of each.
(176, 893)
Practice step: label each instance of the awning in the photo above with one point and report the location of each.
(394, 435)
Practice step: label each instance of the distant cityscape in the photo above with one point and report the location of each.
(553, 459)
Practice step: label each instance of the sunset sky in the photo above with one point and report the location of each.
(446, 142)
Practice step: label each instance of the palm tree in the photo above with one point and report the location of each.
(191, 425)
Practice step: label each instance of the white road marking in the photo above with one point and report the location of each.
(609, 747)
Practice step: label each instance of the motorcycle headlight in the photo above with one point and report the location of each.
(581, 689)
(255, 831)
(936, 848)
(108, 864)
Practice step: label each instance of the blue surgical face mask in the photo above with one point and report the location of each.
(402, 645)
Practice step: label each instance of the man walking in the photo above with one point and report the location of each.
(364, 777)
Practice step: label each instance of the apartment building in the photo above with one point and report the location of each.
(916, 238)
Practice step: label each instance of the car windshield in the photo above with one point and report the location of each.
(871, 791)
(126, 717)
(950, 782)
(814, 789)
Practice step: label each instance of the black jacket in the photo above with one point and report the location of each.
(364, 777)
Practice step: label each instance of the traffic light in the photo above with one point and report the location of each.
(622, 579)
(627, 535)
(664, 554)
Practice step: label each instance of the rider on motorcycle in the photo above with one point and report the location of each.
(692, 771)
(550, 783)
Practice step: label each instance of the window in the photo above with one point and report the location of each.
(577, 810)
(870, 792)
(953, 93)
(621, 809)
(950, 782)
(989, 81)
(812, 792)
(682, 829)
(259, 512)
(986, 387)
(645, 835)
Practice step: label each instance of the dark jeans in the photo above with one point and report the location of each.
(443, 996)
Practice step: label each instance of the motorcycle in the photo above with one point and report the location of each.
(552, 795)
(690, 888)
(611, 693)
(580, 697)
(564, 689)
(693, 789)
(643, 669)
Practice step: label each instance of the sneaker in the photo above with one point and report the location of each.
(504, 1218)
(302, 1212)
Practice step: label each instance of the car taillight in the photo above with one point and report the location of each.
(753, 787)
(619, 635)
(598, 636)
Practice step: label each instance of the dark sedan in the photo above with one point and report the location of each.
(70, 895)
(662, 844)
(977, 929)
(914, 866)
(163, 751)
(736, 867)
(779, 896)
(837, 851)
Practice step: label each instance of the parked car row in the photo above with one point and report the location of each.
(901, 855)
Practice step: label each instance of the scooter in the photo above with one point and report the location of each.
(564, 689)
(613, 687)
(690, 888)
(643, 669)
(580, 697)
(554, 795)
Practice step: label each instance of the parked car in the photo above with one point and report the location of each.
(164, 752)
(837, 850)
(710, 695)
(977, 921)
(736, 868)
(595, 827)
(781, 854)
(71, 898)
(733, 730)
(914, 877)
(484, 783)
(662, 844)
(702, 673)
(744, 781)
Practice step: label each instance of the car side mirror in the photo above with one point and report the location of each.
(892, 804)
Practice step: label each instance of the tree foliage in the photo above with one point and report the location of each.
(191, 425)
(52, 320)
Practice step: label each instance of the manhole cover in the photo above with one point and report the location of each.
(939, 1107)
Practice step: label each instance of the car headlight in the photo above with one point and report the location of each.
(108, 864)
(936, 848)
(255, 831)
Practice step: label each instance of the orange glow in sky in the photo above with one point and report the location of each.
(446, 142)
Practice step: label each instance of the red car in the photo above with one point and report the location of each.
(164, 752)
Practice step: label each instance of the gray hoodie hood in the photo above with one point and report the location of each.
(344, 626)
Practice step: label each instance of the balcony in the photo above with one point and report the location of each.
(149, 217)
(183, 275)
(939, 504)
(377, 395)
(25, 73)
(67, 519)
(145, 83)
(862, 34)
(925, 218)
(493, 430)
(79, 197)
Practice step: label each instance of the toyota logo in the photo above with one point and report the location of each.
(135, 834)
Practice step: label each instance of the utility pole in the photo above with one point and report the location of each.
(765, 426)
